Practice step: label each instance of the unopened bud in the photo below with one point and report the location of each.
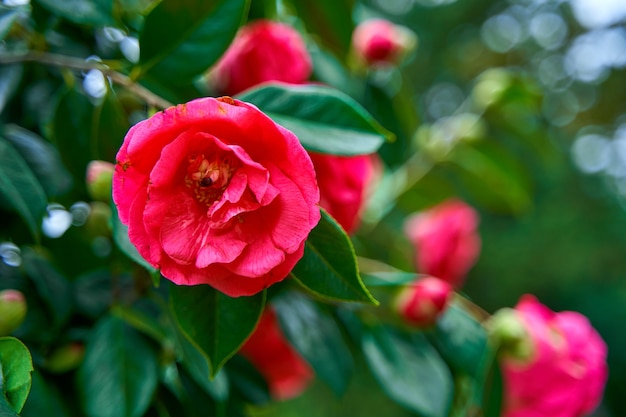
(381, 42)
(421, 303)
(99, 179)
(507, 330)
(65, 358)
(12, 311)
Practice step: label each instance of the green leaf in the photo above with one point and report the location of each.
(53, 288)
(88, 12)
(216, 324)
(10, 76)
(324, 119)
(183, 38)
(15, 373)
(120, 237)
(19, 189)
(5, 409)
(119, 374)
(8, 16)
(388, 279)
(317, 337)
(328, 267)
(41, 157)
(409, 370)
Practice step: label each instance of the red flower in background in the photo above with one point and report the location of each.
(446, 240)
(214, 192)
(423, 301)
(284, 370)
(567, 371)
(379, 41)
(262, 51)
(343, 183)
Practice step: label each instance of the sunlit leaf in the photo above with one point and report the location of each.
(216, 324)
(324, 119)
(328, 267)
(15, 374)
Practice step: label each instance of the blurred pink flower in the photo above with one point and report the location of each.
(423, 301)
(262, 51)
(343, 183)
(567, 371)
(446, 240)
(284, 370)
(214, 192)
(379, 41)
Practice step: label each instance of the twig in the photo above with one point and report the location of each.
(80, 64)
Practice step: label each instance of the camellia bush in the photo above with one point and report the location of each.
(247, 208)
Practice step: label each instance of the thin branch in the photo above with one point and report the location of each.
(80, 64)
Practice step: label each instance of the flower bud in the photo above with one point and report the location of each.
(421, 303)
(65, 358)
(99, 178)
(380, 42)
(12, 311)
(507, 330)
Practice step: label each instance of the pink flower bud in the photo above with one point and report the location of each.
(566, 372)
(378, 41)
(344, 182)
(284, 370)
(262, 51)
(99, 179)
(446, 240)
(422, 302)
(12, 311)
(65, 358)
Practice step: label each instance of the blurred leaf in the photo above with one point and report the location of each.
(462, 341)
(53, 288)
(330, 71)
(324, 119)
(388, 279)
(119, 374)
(183, 38)
(41, 157)
(44, 400)
(247, 381)
(317, 337)
(19, 189)
(87, 12)
(5, 409)
(8, 15)
(15, 373)
(110, 127)
(494, 176)
(10, 76)
(409, 371)
(328, 268)
(493, 393)
(140, 322)
(329, 19)
(120, 237)
(216, 324)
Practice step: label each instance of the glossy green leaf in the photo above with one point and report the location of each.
(409, 370)
(15, 373)
(88, 12)
(324, 119)
(119, 374)
(53, 288)
(120, 237)
(318, 338)
(328, 267)
(216, 324)
(41, 157)
(183, 38)
(19, 188)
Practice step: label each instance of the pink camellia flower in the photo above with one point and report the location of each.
(422, 302)
(343, 183)
(446, 239)
(214, 192)
(284, 370)
(262, 51)
(378, 41)
(566, 371)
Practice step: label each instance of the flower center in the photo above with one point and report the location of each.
(208, 178)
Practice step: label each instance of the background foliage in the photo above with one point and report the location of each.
(516, 106)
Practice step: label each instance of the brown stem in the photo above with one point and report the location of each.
(80, 64)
